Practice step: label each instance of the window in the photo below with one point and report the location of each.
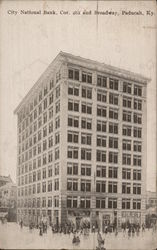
(101, 141)
(137, 90)
(113, 128)
(57, 92)
(136, 188)
(86, 154)
(50, 127)
(86, 108)
(126, 130)
(72, 184)
(50, 171)
(113, 157)
(57, 107)
(127, 87)
(72, 202)
(127, 145)
(73, 121)
(126, 188)
(137, 118)
(50, 113)
(45, 90)
(100, 171)
(137, 132)
(49, 201)
(113, 114)
(44, 159)
(101, 96)
(100, 203)
(45, 131)
(101, 81)
(73, 137)
(113, 172)
(51, 84)
(73, 74)
(137, 175)
(101, 156)
(112, 187)
(126, 173)
(39, 122)
(136, 204)
(126, 116)
(85, 170)
(100, 186)
(45, 117)
(86, 92)
(56, 201)
(72, 168)
(101, 126)
(56, 168)
(44, 145)
(85, 202)
(49, 186)
(72, 152)
(125, 203)
(73, 105)
(112, 203)
(101, 111)
(57, 138)
(113, 99)
(57, 122)
(86, 139)
(137, 104)
(137, 160)
(137, 146)
(127, 102)
(56, 184)
(73, 90)
(44, 187)
(86, 123)
(56, 153)
(113, 142)
(113, 84)
(45, 103)
(86, 77)
(85, 185)
(40, 96)
(50, 156)
(50, 139)
(126, 159)
(51, 98)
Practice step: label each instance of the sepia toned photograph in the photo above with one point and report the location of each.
(78, 166)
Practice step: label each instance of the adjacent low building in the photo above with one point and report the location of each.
(8, 201)
(82, 152)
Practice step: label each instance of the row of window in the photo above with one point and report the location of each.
(85, 186)
(31, 114)
(74, 74)
(85, 202)
(38, 188)
(102, 112)
(102, 97)
(72, 202)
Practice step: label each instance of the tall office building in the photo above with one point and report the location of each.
(82, 145)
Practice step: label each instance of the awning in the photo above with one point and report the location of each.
(3, 214)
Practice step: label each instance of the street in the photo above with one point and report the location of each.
(12, 236)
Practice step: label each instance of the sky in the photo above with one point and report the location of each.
(29, 43)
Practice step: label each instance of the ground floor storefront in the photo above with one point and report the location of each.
(80, 218)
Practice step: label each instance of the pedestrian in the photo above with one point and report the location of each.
(100, 240)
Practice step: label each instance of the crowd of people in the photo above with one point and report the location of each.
(127, 229)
